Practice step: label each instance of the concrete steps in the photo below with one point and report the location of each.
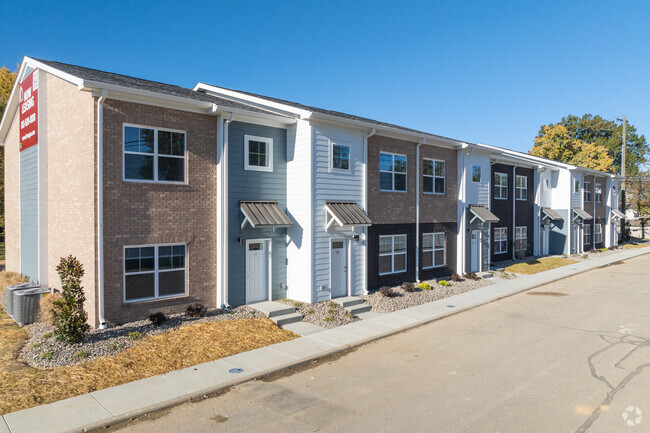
(353, 304)
(281, 314)
(358, 309)
(286, 319)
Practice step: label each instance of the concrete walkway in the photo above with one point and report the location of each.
(120, 403)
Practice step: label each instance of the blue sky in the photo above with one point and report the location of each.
(481, 71)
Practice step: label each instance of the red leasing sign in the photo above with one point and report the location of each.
(29, 111)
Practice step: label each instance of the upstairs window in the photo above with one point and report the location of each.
(587, 192)
(598, 192)
(433, 250)
(521, 188)
(433, 172)
(154, 155)
(392, 172)
(340, 157)
(258, 153)
(500, 186)
(476, 173)
(576, 186)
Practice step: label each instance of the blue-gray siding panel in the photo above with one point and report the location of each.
(29, 213)
(255, 185)
(559, 233)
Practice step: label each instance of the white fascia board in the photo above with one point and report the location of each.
(254, 101)
(12, 103)
(95, 85)
(524, 156)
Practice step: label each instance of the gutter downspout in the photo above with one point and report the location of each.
(100, 207)
(463, 213)
(372, 132)
(224, 197)
(514, 205)
(538, 203)
(417, 210)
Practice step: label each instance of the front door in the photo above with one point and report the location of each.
(545, 240)
(339, 268)
(257, 271)
(476, 251)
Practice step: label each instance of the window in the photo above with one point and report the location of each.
(152, 272)
(476, 173)
(598, 192)
(392, 254)
(500, 186)
(392, 172)
(154, 155)
(586, 234)
(340, 157)
(434, 176)
(598, 234)
(521, 188)
(576, 186)
(587, 194)
(521, 238)
(500, 240)
(433, 250)
(258, 153)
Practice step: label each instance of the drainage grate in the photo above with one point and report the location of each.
(236, 370)
(451, 306)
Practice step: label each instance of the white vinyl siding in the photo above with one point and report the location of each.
(392, 172)
(521, 238)
(500, 186)
(500, 240)
(521, 188)
(433, 250)
(392, 254)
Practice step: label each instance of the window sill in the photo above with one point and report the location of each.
(500, 252)
(154, 300)
(497, 198)
(154, 182)
(434, 193)
(433, 267)
(390, 190)
(393, 273)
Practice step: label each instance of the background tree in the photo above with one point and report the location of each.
(7, 80)
(598, 131)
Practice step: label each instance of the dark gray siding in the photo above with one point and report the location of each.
(29, 213)
(559, 235)
(255, 185)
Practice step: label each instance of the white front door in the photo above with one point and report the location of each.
(476, 251)
(545, 240)
(339, 268)
(257, 271)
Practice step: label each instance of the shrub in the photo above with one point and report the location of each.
(603, 249)
(158, 318)
(69, 314)
(81, 354)
(424, 286)
(386, 291)
(48, 335)
(328, 319)
(196, 310)
(352, 316)
(471, 276)
(455, 278)
(444, 283)
(46, 305)
(47, 355)
(134, 335)
(408, 287)
(310, 311)
(297, 304)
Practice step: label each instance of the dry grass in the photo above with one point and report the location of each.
(45, 308)
(636, 244)
(180, 348)
(7, 279)
(534, 266)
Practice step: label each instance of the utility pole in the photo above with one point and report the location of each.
(623, 165)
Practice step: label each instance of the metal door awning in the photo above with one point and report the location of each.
(483, 214)
(346, 214)
(617, 214)
(263, 214)
(581, 213)
(551, 214)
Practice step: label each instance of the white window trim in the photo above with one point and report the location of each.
(598, 234)
(576, 185)
(501, 187)
(433, 250)
(269, 156)
(598, 197)
(505, 240)
(586, 234)
(524, 188)
(154, 155)
(393, 254)
(340, 170)
(480, 173)
(518, 230)
(434, 177)
(156, 273)
(406, 182)
(586, 191)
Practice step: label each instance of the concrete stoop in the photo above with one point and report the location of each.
(353, 304)
(281, 314)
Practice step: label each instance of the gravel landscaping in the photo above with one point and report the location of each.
(43, 350)
(402, 299)
(326, 314)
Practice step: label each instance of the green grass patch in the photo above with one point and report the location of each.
(534, 266)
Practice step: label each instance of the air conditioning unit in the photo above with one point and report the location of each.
(9, 301)
(26, 304)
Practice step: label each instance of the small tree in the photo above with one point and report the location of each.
(69, 315)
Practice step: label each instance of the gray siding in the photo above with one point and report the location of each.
(485, 242)
(29, 213)
(255, 185)
(559, 234)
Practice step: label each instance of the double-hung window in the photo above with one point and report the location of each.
(587, 196)
(576, 186)
(392, 254)
(154, 155)
(500, 186)
(476, 173)
(392, 172)
(433, 172)
(521, 188)
(340, 157)
(258, 153)
(500, 240)
(521, 238)
(152, 272)
(433, 250)
(586, 230)
(598, 193)
(598, 234)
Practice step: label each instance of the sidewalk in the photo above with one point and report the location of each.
(113, 405)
